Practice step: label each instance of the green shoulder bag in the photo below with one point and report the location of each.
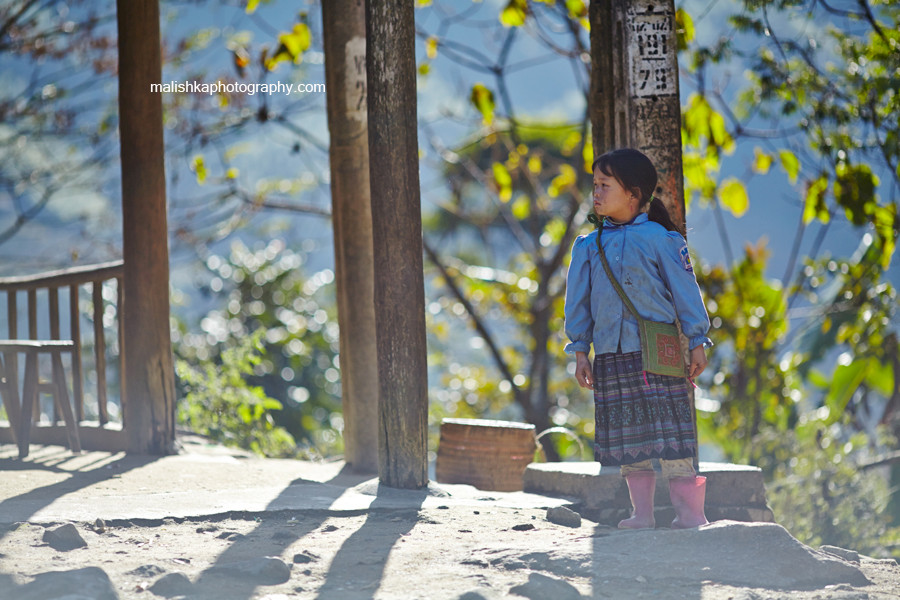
(660, 343)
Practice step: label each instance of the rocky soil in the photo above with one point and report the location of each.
(446, 552)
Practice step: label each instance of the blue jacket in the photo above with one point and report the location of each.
(654, 269)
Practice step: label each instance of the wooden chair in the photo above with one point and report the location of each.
(21, 416)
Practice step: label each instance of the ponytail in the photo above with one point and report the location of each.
(660, 214)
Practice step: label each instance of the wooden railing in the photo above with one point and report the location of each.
(102, 433)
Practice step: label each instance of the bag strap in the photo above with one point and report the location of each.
(612, 278)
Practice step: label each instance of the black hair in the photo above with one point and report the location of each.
(636, 173)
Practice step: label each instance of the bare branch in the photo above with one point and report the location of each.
(477, 321)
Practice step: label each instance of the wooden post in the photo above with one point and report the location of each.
(344, 28)
(634, 88)
(149, 372)
(397, 244)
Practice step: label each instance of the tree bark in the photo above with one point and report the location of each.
(344, 28)
(634, 88)
(149, 393)
(397, 244)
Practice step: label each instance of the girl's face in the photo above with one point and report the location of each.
(611, 199)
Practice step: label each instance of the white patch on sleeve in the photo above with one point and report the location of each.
(686, 259)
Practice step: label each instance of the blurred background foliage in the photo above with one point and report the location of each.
(275, 341)
(803, 380)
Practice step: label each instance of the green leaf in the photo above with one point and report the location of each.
(431, 45)
(198, 166)
(719, 132)
(521, 208)
(854, 189)
(845, 381)
(587, 153)
(818, 379)
(695, 121)
(684, 29)
(298, 40)
(514, 14)
(483, 99)
(887, 224)
(556, 229)
(291, 46)
(503, 180)
(814, 207)
(790, 163)
(880, 377)
(761, 161)
(733, 196)
(577, 9)
(566, 179)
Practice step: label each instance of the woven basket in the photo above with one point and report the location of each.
(490, 455)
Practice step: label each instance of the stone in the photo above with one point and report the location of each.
(848, 555)
(173, 584)
(305, 557)
(147, 571)
(560, 515)
(99, 525)
(90, 583)
(541, 587)
(730, 553)
(64, 538)
(523, 527)
(480, 594)
(267, 570)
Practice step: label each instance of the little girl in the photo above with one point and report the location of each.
(639, 415)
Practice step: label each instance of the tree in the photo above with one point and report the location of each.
(59, 138)
(58, 128)
(501, 235)
(291, 368)
(808, 363)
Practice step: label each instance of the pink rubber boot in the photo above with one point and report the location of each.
(688, 495)
(641, 487)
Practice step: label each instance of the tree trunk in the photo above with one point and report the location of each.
(344, 27)
(397, 243)
(634, 88)
(149, 391)
(540, 382)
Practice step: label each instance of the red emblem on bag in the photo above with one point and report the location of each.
(668, 350)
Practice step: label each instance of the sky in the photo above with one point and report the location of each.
(550, 88)
(544, 87)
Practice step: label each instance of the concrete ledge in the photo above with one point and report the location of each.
(735, 492)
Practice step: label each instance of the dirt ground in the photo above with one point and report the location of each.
(68, 531)
(452, 552)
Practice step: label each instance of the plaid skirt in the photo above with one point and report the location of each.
(639, 415)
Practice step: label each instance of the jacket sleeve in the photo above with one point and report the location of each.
(579, 320)
(678, 273)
